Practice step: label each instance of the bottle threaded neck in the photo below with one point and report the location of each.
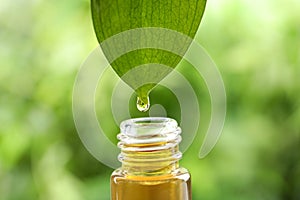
(149, 145)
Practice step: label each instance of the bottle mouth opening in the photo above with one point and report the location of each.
(149, 130)
(148, 126)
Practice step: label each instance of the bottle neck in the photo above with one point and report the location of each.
(149, 146)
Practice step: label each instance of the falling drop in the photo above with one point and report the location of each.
(143, 103)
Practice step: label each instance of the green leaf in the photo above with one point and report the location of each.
(113, 17)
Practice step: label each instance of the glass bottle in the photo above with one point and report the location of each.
(150, 162)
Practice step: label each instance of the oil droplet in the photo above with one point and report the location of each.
(143, 103)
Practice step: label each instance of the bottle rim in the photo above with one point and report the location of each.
(148, 126)
(159, 132)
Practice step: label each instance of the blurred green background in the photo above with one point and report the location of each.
(256, 45)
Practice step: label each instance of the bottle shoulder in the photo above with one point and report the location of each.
(177, 174)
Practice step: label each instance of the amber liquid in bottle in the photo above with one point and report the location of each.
(149, 156)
